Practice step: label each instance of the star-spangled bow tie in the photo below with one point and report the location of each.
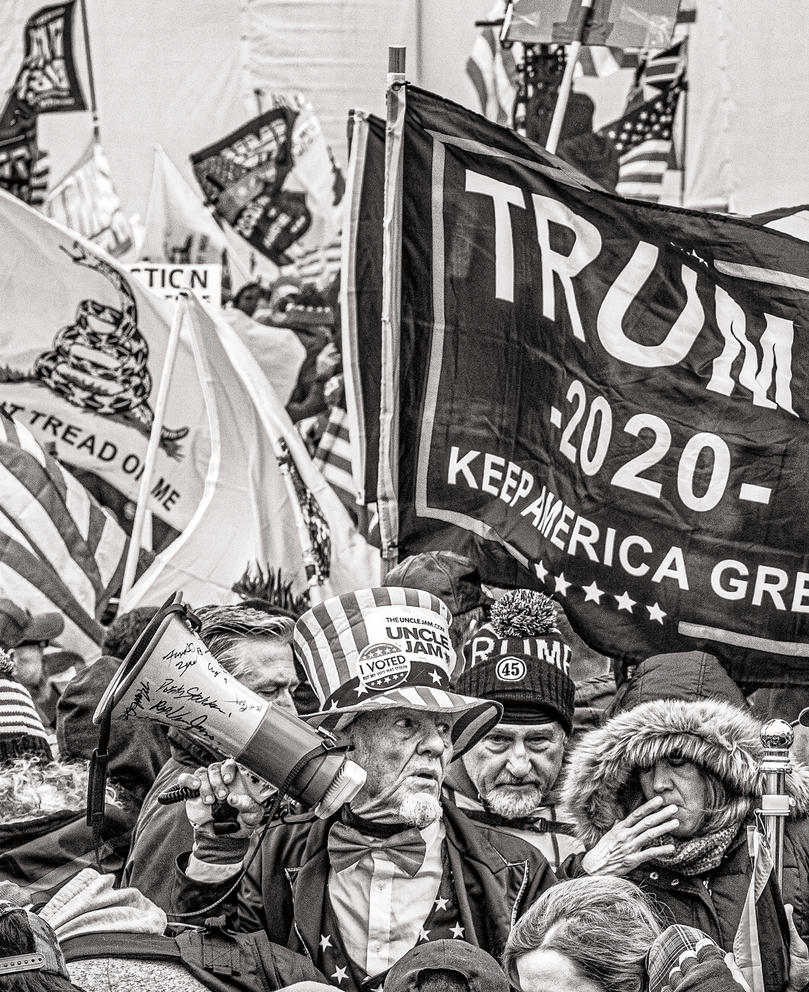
(347, 846)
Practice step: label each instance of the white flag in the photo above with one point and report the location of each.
(86, 202)
(180, 228)
(248, 514)
(82, 345)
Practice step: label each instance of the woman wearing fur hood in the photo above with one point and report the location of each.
(663, 795)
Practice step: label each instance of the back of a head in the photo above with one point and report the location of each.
(125, 629)
(582, 917)
(687, 675)
(446, 966)
(30, 957)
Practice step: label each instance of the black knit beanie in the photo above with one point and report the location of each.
(520, 660)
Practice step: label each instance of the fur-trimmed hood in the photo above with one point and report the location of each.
(717, 736)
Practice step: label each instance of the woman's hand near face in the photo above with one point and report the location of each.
(631, 841)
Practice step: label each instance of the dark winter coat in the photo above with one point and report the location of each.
(497, 877)
(163, 833)
(43, 853)
(724, 740)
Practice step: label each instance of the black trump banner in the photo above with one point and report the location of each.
(47, 81)
(604, 399)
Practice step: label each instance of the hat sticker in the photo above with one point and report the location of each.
(511, 669)
(382, 666)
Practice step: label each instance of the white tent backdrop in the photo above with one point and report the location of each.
(182, 74)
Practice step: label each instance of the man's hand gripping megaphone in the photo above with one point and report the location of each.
(227, 794)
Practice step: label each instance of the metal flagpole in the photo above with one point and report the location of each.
(93, 104)
(582, 18)
(151, 448)
(388, 477)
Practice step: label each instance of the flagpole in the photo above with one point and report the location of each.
(93, 104)
(151, 449)
(388, 476)
(284, 458)
(565, 87)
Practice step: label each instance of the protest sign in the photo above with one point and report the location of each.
(169, 280)
(607, 394)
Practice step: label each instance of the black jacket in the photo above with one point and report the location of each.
(163, 833)
(497, 877)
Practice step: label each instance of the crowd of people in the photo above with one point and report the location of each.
(522, 820)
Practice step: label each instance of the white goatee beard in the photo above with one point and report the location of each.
(512, 805)
(419, 810)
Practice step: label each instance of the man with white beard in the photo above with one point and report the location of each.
(507, 778)
(398, 866)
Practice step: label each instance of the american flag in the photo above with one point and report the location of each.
(493, 72)
(643, 140)
(59, 550)
(333, 458)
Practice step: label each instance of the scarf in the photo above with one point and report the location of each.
(697, 855)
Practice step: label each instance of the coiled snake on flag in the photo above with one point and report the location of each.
(99, 362)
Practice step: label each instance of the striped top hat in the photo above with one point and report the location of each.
(378, 648)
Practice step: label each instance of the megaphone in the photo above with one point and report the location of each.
(171, 677)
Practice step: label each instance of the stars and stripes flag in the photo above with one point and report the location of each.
(492, 71)
(333, 458)
(643, 140)
(59, 550)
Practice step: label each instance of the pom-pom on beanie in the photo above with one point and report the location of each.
(520, 660)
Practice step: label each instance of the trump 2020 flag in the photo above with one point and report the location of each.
(604, 398)
(59, 550)
(276, 183)
(47, 81)
(249, 514)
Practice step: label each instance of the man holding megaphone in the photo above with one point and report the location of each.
(395, 866)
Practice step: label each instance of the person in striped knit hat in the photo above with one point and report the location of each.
(44, 837)
(397, 866)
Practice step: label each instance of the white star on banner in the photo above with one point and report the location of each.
(424, 934)
(325, 941)
(340, 975)
(540, 569)
(435, 675)
(655, 613)
(592, 593)
(561, 585)
(441, 903)
(624, 602)
(456, 931)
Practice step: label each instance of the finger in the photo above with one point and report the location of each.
(654, 819)
(203, 782)
(654, 832)
(229, 770)
(218, 787)
(643, 810)
(187, 780)
(650, 852)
